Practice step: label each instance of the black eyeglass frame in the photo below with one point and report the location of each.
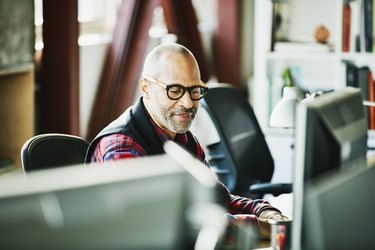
(203, 88)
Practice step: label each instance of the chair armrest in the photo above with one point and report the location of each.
(271, 188)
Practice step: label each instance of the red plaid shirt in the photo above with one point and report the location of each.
(119, 146)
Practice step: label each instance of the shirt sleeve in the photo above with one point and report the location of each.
(242, 205)
(235, 204)
(115, 147)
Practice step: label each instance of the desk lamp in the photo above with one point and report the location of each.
(283, 114)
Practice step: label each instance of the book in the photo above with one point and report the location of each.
(371, 98)
(368, 25)
(361, 38)
(363, 73)
(346, 15)
(280, 21)
(351, 75)
(354, 26)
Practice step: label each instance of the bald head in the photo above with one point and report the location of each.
(154, 62)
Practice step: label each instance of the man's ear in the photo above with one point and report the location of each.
(143, 86)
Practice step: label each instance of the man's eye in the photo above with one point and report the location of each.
(175, 90)
(196, 91)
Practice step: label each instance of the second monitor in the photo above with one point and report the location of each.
(331, 179)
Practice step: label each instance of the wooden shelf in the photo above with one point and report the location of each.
(19, 69)
(16, 110)
(301, 56)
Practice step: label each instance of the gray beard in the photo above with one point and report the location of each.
(176, 126)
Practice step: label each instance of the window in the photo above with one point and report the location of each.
(95, 17)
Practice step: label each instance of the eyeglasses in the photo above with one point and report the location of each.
(176, 91)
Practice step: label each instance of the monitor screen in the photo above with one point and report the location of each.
(331, 136)
(143, 203)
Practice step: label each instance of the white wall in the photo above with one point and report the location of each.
(92, 55)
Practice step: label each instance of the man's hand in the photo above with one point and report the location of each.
(265, 226)
(267, 215)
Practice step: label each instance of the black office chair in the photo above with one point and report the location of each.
(241, 158)
(52, 150)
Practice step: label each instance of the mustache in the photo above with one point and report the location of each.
(185, 110)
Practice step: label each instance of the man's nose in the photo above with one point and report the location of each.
(186, 101)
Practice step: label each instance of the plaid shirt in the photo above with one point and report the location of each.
(120, 146)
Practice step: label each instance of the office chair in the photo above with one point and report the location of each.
(241, 157)
(52, 150)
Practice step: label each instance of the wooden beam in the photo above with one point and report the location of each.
(59, 82)
(227, 45)
(181, 19)
(123, 63)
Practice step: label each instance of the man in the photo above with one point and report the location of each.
(171, 89)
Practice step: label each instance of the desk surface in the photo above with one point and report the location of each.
(263, 244)
(371, 160)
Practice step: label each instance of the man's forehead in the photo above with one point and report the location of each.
(178, 66)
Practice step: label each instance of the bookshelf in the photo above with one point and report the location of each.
(319, 68)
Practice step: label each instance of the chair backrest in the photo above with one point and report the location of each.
(216, 149)
(52, 150)
(241, 135)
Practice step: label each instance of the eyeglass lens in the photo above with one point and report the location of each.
(177, 91)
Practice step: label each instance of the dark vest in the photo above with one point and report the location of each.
(135, 123)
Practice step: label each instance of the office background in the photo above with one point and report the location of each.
(72, 45)
(72, 66)
(71, 60)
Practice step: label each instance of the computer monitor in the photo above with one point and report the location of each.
(331, 132)
(331, 147)
(143, 203)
